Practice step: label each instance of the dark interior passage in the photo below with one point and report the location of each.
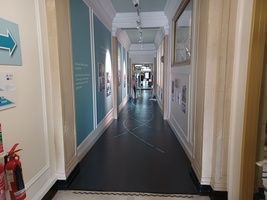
(137, 153)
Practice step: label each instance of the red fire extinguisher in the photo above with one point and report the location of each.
(14, 175)
(2, 183)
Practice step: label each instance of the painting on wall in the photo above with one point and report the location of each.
(180, 107)
(119, 78)
(173, 96)
(101, 77)
(108, 75)
(183, 108)
(184, 94)
(182, 31)
(184, 99)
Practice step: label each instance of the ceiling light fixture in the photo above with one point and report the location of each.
(138, 22)
(136, 3)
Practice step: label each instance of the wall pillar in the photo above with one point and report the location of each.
(154, 91)
(214, 68)
(59, 39)
(115, 76)
(166, 79)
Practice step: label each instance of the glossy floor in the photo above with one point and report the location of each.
(137, 153)
(85, 195)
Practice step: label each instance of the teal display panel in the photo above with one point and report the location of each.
(81, 44)
(120, 72)
(128, 75)
(102, 39)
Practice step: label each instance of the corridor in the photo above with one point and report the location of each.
(137, 153)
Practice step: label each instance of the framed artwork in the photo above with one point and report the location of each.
(119, 77)
(182, 23)
(108, 84)
(101, 77)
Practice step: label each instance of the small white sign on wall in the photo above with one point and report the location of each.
(7, 90)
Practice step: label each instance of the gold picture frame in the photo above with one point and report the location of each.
(182, 26)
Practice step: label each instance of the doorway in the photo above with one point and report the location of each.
(144, 75)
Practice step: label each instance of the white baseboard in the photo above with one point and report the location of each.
(91, 139)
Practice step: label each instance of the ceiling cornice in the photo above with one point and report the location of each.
(104, 10)
(123, 38)
(171, 8)
(159, 37)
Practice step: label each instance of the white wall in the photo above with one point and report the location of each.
(30, 123)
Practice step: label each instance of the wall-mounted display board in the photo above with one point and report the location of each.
(180, 101)
(7, 90)
(10, 51)
(124, 71)
(102, 40)
(120, 60)
(101, 77)
(81, 44)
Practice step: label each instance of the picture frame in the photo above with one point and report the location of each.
(182, 27)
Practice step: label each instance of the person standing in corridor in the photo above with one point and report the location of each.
(134, 86)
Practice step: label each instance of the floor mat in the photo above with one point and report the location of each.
(86, 195)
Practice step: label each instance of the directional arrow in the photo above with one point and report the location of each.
(7, 42)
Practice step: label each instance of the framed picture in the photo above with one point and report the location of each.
(182, 23)
(108, 84)
(101, 77)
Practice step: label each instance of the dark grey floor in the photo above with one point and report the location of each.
(137, 153)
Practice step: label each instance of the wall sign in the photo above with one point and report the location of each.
(7, 90)
(10, 51)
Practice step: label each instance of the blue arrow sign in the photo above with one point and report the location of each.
(7, 42)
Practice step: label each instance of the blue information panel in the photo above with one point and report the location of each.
(10, 51)
(102, 38)
(81, 44)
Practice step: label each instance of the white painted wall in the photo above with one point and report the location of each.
(31, 123)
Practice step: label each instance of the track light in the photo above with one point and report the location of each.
(136, 3)
(138, 22)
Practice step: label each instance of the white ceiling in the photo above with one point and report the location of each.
(155, 15)
(126, 6)
(148, 35)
